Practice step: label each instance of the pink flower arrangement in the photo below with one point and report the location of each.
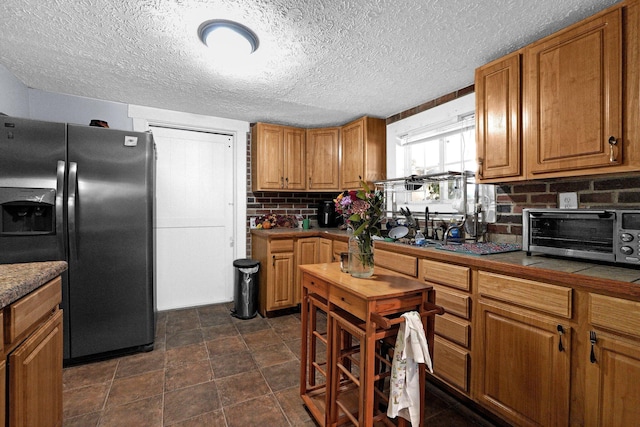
(362, 210)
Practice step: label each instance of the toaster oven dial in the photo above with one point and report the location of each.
(626, 250)
(626, 237)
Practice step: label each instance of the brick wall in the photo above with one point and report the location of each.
(621, 192)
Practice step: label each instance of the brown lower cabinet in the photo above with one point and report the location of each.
(519, 345)
(613, 373)
(32, 366)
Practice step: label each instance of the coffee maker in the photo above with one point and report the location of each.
(327, 216)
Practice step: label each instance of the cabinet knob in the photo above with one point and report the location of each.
(309, 182)
(286, 180)
(480, 163)
(282, 182)
(612, 142)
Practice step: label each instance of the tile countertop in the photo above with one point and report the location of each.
(602, 278)
(17, 280)
(585, 275)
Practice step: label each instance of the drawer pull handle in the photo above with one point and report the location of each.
(593, 339)
(561, 333)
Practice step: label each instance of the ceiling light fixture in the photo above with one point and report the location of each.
(228, 37)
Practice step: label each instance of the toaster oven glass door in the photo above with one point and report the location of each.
(590, 233)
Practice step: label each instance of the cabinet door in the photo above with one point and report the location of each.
(521, 373)
(323, 159)
(35, 378)
(573, 98)
(352, 162)
(267, 148)
(498, 118)
(294, 159)
(612, 383)
(338, 248)
(325, 251)
(281, 292)
(307, 252)
(3, 392)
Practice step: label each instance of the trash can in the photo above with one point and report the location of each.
(245, 293)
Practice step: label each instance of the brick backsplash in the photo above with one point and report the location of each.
(606, 192)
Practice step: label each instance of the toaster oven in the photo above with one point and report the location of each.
(600, 235)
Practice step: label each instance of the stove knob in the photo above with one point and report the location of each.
(626, 250)
(626, 237)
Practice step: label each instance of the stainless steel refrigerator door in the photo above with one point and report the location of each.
(32, 155)
(110, 214)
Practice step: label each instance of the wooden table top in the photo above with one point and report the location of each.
(383, 284)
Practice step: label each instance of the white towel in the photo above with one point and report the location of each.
(411, 348)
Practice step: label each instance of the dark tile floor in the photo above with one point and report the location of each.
(210, 369)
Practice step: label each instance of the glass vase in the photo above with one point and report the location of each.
(361, 256)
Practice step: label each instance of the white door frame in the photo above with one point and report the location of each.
(144, 117)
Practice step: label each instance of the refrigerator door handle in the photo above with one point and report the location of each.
(71, 209)
(62, 249)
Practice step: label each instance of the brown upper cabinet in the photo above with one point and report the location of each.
(566, 105)
(498, 112)
(363, 152)
(323, 154)
(278, 157)
(285, 158)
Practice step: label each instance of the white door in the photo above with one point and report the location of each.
(194, 218)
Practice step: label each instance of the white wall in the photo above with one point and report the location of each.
(14, 98)
(57, 107)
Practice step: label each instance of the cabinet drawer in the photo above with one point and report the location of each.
(315, 286)
(615, 314)
(400, 263)
(281, 245)
(453, 329)
(349, 302)
(26, 312)
(455, 276)
(453, 302)
(451, 363)
(527, 293)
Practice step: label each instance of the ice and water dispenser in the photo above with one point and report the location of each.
(27, 211)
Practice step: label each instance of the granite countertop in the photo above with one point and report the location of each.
(17, 280)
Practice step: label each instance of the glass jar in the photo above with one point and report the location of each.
(361, 256)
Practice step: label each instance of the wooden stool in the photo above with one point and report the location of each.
(314, 369)
(348, 383)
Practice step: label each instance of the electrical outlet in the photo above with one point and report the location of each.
(252, 222)
(568, 200)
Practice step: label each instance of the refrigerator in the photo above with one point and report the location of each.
(84, 195)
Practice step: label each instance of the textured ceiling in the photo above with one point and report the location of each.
(320, 62)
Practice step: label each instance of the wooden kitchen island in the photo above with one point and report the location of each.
(362, 316)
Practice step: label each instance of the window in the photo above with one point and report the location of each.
(438, 148)
(441, 147)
